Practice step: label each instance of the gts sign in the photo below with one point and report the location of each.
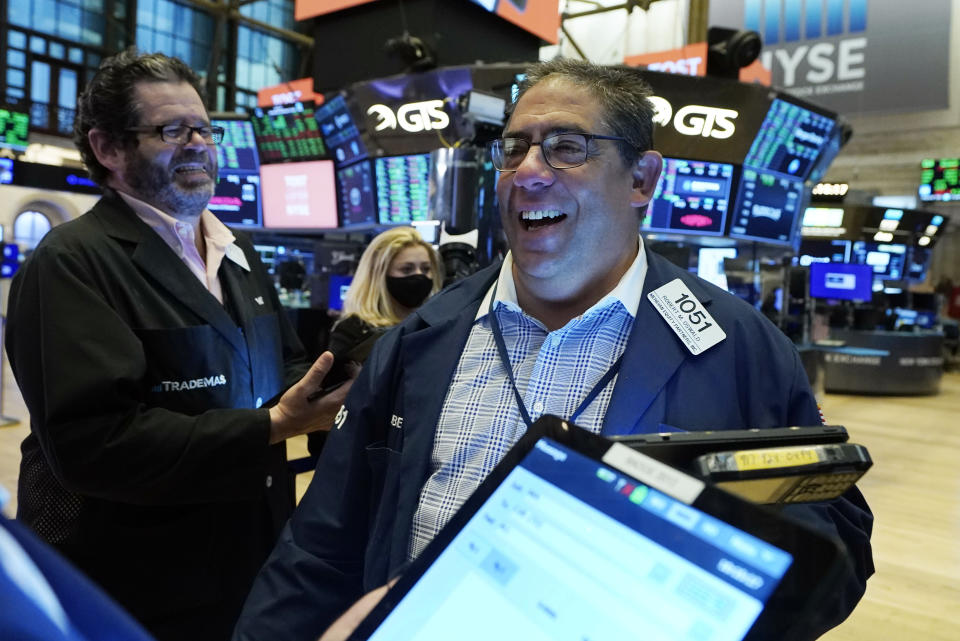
(695, 120)
(413, 116)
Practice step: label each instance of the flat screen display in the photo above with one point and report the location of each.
(337, 290)
(939, 179)
(357, 195)
(288, 133)
(300, 195)
(887, 260)
(14, 129)
(790, 140)
(710, 264)
(823, 251)
(237, 199)
(692, 197)
(339, 131)
(917, 264)
(402, 188)
(767, 207)
(841, 281)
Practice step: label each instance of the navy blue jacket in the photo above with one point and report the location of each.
(351, 531)
(90, 613)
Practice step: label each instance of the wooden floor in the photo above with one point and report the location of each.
(913, 488)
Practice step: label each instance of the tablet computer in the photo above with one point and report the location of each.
(575, 537)
(680, 449)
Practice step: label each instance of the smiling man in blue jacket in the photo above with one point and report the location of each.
(565, 326)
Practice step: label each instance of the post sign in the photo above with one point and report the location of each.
(851, 56)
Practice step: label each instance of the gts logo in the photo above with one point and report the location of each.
(695, 120)
(413, 116)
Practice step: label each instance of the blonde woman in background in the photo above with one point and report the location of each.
(397, 272)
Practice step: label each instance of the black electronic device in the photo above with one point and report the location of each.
(692, 197)
(357, 195)
(790, 140)
(767, 208)
(888, 260)
(402, 188)
(339, 131)
(680, 449)
(799, 474)
(814, 250)
(288, 133)
(237, 198)
(575, 536)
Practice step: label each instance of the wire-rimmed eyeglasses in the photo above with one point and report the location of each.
(560, 151)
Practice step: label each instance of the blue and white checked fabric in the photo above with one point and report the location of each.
(554, 371)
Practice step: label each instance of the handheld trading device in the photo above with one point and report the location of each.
(573, 536)
(778, 465)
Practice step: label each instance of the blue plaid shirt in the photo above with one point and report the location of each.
(554, 371)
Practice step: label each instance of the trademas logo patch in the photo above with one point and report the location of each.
(190, 384)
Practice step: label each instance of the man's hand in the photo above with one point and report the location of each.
(342, 628)
(294, 414)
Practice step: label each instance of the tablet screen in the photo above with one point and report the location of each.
(566, 547)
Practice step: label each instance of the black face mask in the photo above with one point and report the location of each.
(410, 291)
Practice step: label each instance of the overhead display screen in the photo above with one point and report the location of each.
(887, 260)
(402, 188)
(823, 251)
(237, 200)
(691, 197)
(339, 131)
(6, 171)
(940, 179)
(14, 129)
(300, 195)
(288, 133)
(767, 207)
(790, 140)
(916, 270)
(357, 195)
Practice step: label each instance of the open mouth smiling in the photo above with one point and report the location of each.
(537, 218)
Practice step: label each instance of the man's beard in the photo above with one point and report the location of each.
(157, 185)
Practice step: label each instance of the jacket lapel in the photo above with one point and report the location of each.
(652, 356)
(158, 261)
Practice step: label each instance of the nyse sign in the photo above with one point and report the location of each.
(821, 68)
(413, 117)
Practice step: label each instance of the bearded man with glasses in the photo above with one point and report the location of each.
(161, 374)
(565, 326)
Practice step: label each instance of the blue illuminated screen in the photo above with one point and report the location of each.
(767, 207)
(841, 281)
(652, 567)
(357, 195)
(339, 131)
(790, 140)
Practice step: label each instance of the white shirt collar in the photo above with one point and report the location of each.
(627, 291)
(165, 225)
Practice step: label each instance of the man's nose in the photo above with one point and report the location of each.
(534, 170)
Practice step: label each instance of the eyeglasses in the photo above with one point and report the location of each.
(181, 134)
(561, 151)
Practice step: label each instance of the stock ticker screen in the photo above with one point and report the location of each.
(767, 207)
(237, 198)
(14, 129)
(691, 197)
(356, 190)
(939, 179)
(888, 260)
(402, 188)
(790, 140)
(288, 133)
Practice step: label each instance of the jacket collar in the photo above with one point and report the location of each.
(155, 258)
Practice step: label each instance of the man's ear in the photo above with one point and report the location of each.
(646, 173)
(108, 151)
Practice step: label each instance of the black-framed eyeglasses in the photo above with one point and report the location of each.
(181, 134)
(561, 151)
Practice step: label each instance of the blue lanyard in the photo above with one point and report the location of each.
(505, 360)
